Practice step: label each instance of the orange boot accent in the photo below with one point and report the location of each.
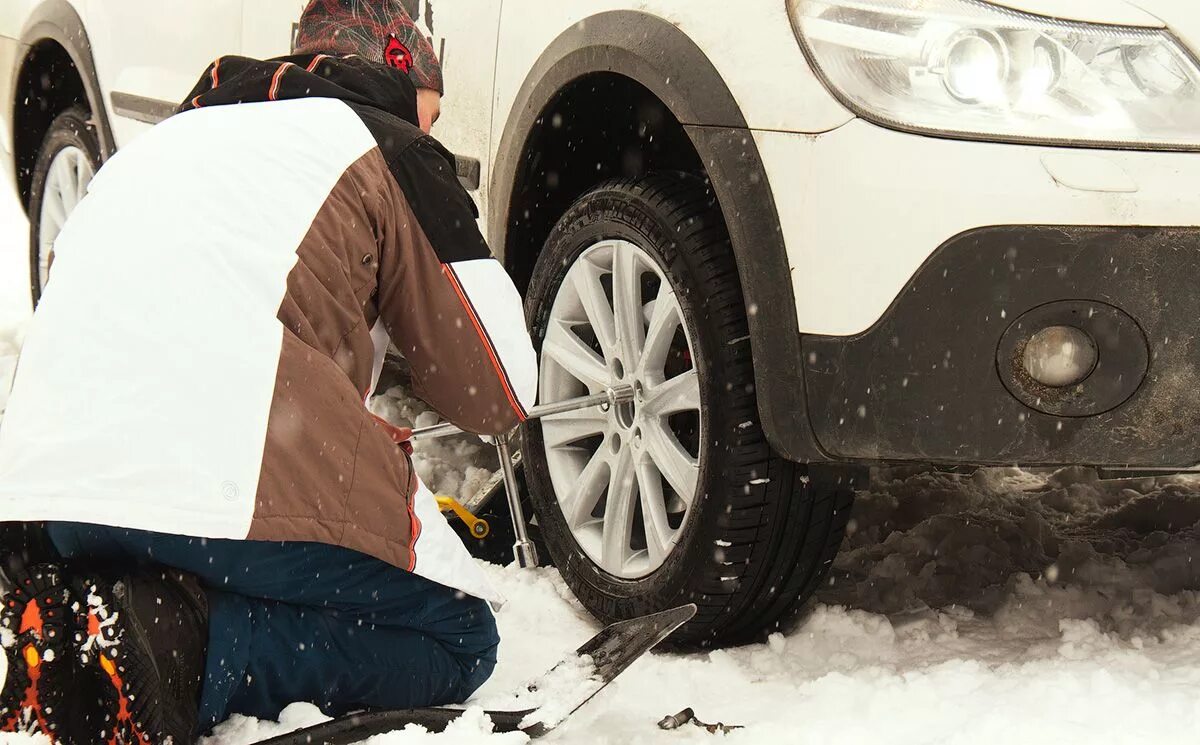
(31, 619)
(123, 714)
(31, 703)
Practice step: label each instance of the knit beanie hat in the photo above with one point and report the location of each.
(376, 30)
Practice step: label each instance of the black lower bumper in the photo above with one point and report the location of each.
(936, 379)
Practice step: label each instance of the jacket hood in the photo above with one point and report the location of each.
(234, 80)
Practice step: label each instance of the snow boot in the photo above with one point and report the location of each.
(145, 636)
(44, 691)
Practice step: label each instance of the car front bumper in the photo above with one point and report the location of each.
(920, 266)
(940, 377)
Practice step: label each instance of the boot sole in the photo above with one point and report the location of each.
(110, 644)
(35, 620)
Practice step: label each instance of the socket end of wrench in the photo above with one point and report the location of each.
(525, 554)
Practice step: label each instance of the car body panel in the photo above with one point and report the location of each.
(1181, 16)
(1117, 12)
(751, 44)
(10, 51)
(269, 27)
(14, 15)
(157, 50)
(862, 207)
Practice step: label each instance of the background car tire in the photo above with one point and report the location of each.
(71, 131)
(759, 536)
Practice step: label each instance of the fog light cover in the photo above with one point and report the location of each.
(1060, 356)
(1073, 358)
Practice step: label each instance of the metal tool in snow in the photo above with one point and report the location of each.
(688, 716)
(523, 550)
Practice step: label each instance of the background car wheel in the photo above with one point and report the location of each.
(69, 158)
(676, 497)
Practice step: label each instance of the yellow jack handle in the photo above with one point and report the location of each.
(477, 525)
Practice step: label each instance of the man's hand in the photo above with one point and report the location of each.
(402, 436)
(429, 108)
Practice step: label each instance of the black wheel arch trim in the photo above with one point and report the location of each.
(663, 59)
(57, 21)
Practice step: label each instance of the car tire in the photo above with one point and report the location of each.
(69, 157)
(758, 536)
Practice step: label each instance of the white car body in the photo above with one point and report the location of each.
(155, 49)
(860, 207)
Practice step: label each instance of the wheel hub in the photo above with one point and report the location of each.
(625, 414)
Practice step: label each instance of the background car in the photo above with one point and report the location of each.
(815, 235)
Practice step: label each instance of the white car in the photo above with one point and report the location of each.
(815, 235)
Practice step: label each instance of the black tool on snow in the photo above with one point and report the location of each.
(688, 716)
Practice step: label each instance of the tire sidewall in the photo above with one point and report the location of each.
(72, 128)
(614, 213)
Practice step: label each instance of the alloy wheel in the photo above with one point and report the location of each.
(625, 477)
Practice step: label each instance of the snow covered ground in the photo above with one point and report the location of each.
(1003, 607)
(995, 608)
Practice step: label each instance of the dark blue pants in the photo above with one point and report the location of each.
(309, 622)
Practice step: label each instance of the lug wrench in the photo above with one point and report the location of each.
(523, 550)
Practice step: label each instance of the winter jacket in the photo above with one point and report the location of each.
(219, 311)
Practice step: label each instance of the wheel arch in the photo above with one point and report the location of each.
(659, 58)
(56, 44)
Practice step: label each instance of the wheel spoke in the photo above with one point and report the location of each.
(659, 536)
(578, 505)
(680, 393)
(618, 512)
(586, 279)
(570, 427)
(82, 177)
(677, 466)
(664, 319)
(627, 303)
(60, 175)
(53, 207)
(564, 347)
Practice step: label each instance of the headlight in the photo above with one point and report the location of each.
(971, 69)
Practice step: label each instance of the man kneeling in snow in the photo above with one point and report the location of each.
(235, 531)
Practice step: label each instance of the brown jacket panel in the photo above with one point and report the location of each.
(430, 319)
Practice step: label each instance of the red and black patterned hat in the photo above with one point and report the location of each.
(376, 30)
